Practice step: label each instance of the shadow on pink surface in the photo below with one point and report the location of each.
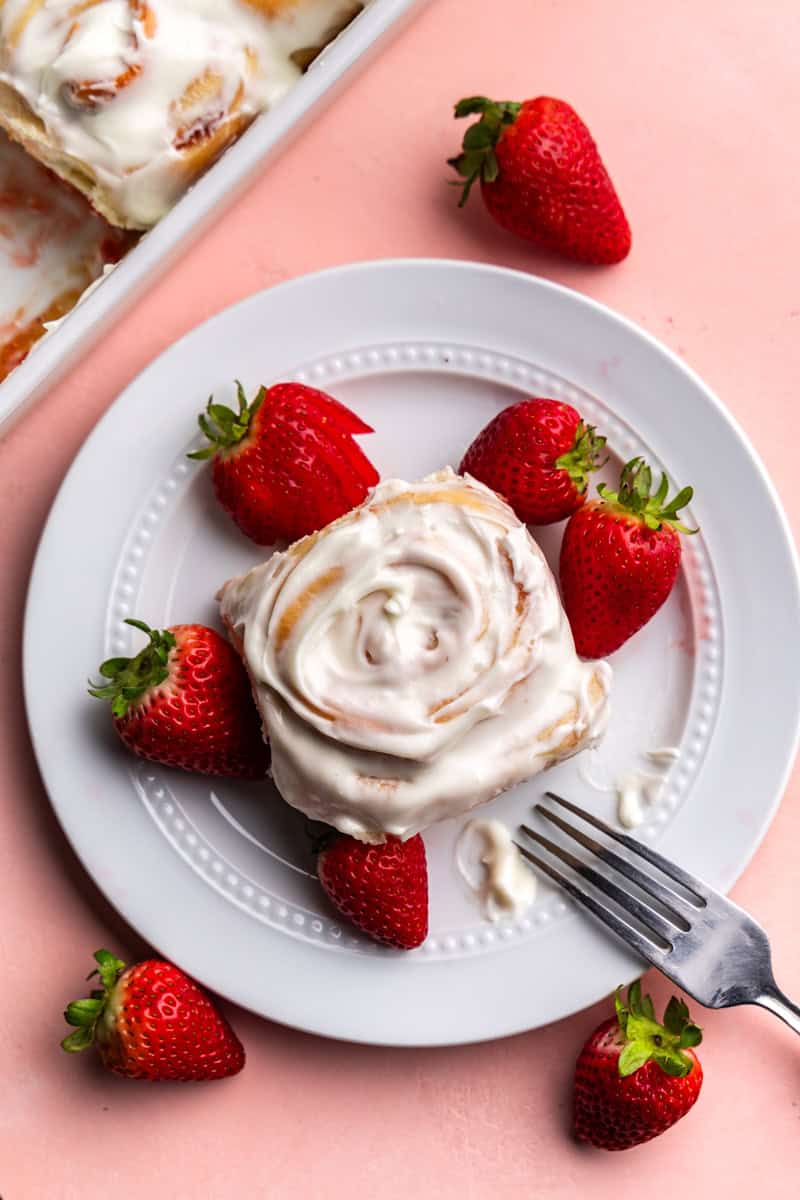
(482, 240)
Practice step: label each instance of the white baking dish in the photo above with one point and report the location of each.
(202, 204)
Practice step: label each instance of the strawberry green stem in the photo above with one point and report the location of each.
(634, 497)
(477, 159)
(225, 427)
(584, 456)
(130, 678)
(646, 1039)
(84, 1014)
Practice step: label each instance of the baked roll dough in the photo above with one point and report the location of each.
(412, 660)
(131, 100)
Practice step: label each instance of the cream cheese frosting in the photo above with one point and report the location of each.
(493, 868)
(412, 660)
(144, 93)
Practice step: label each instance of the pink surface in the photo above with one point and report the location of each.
(695, 106)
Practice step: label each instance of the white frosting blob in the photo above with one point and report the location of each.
(636, 792)
(159, 71)
(412, 660)
(663, 755)
(496, 873)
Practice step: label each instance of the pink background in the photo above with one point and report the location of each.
(696, 106)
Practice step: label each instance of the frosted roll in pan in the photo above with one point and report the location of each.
(204, 201)
(131, 100)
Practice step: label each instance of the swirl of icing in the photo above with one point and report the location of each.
(412, 659)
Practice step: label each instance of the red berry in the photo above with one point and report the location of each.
(152, 1022)
(185, 701)
(286, 464)
(382, 890)
(542, 177)
(635, 1077)
(619, 560)
(538, 455)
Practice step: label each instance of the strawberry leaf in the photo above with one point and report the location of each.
(633, 1056)
(633, 498)
(472, 104)
(676, 1015)
(79, 1039)
(85, 1013)
(130, 678)
(661, 494)
(678, 1066)
(109, 968)
(584, 456)
(478, 159)
(112, 667)
(226, 427)
(477, 137)
(648, 1008)
(491, 168)
(145, 628)
(646, 1040)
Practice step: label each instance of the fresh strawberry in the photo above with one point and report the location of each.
(286, 464)
(185, 701)
(619, 560)
(542, 178)
(151, 1021)
(383, 890)
(538, 454)
(635, 1078)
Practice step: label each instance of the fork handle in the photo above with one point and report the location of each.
(774, 1000)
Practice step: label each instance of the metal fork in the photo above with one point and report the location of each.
(706, 944)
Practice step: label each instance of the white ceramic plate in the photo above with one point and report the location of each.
(218, 876)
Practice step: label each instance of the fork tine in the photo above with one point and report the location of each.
(690, 882)
(636, 940)
(671, 900)
(654, 922)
